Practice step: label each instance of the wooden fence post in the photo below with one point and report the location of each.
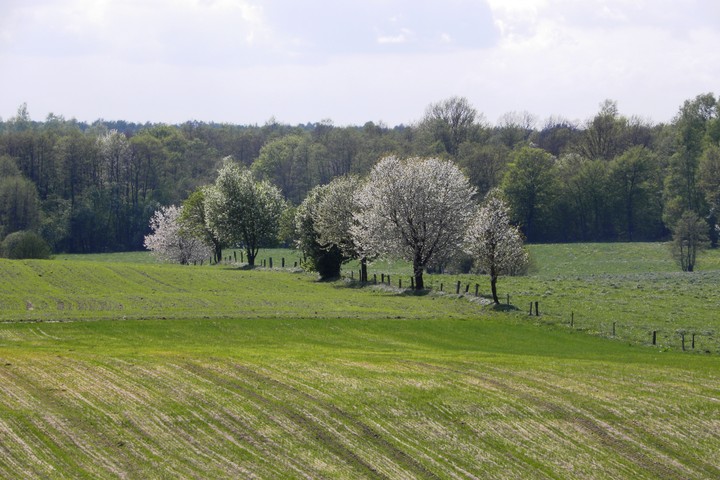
(270, 262)
(614, 329)
(375, 278)
(477, 287)
(654, 337)
(282, 262)
(457, 289)
(537, 310)
(441, 287)
(572, 319)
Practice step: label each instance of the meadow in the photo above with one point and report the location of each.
(126, 368)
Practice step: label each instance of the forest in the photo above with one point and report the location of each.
(93, 187)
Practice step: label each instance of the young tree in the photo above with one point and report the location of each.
(242, 211)
(495, 245)
(415, 209)
(690, 237)
(169, 242)
(193, 220)
(325, 258)
(333, 218)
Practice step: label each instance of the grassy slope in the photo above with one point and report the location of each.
(374, 384)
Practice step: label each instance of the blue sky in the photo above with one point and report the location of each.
(247, 61)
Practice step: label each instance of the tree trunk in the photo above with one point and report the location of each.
(218, 251)
(250, 257)
(418, 274)
(363, 270)
(493, 288)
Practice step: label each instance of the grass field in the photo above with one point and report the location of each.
(137, 370)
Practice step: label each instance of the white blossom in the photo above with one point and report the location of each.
(241, 211)
(495, 245)
(415, 209)
(169, 242)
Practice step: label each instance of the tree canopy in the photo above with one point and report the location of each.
(415, 209)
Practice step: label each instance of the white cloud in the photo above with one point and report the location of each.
(246, 60)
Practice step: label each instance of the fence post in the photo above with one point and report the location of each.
(270, 262)
(477, 286)
(382, 278)
(537, 311)
(654, 337)
(467, 288)
(572, 319)
(375, 278)
(530, 309)
(682, 338)
(235, 255)
(352, 272)
(693, 341)
(412, 283)
(457, 289)
(400, 283)
(441, 287)
(388, 279)
(508, 299)
(282, 262)
(614, 329)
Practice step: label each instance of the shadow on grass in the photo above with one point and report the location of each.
(500, 307)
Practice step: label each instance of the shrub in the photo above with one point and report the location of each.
(24, 244)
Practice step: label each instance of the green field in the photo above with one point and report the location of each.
(130, 369)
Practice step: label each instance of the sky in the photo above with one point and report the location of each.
(353, 61)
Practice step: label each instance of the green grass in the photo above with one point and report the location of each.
(141, 370)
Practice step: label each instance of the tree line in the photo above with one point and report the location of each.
(94, 187)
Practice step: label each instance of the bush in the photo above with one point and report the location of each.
(24, 244)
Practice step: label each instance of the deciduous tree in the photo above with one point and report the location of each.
(495, 246)
(168, 241)
(193, 220)
(529, 187)
(415, 209)
(333, 218)
(242, 211)
(690, 237)
(324, 257)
